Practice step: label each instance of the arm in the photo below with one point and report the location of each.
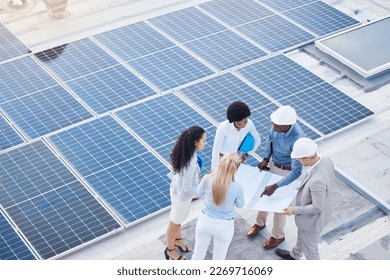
(256, 137)
(200, 190)
(296, 170)
(240, 200)
(217, 147)
(187, 181)
(318, 192)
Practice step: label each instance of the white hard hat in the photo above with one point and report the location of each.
(304, 147)
(284, 115)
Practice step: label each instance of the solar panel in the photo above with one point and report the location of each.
(187, 25)
(10, 45)
(22, 77)
(214, 95)
(52, 209)
(8, 136)
(275, 33)
(45, 111)
(326, 108)
(100, 81)
(284, 5)
(12, 247)
(170, 68)
(126, 175)
(320, 18)
(134, 41)
(225, 49)
(279, 76)
(236, 12)
(159, 122)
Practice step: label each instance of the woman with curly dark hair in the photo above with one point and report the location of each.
(185, 177)
(231, 133)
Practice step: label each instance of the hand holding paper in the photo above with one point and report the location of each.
(254, 182)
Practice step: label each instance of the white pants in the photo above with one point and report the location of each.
(212, 229)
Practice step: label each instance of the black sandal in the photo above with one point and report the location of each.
(185, 250)
(168, 257)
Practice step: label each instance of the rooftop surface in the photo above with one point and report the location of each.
(360, 228)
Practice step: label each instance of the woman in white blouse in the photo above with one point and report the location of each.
(216, 221)
(185, 177)
(231, 133)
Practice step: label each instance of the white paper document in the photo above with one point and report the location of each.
(254, 182)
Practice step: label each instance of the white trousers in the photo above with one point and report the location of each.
(212, 229)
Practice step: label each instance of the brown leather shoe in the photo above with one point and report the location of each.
(272, 242)
(254, 230)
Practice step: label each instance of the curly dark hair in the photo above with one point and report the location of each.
(237, 111)
(185, 147)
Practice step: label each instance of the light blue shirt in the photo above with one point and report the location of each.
(234, 198)
(282, 145)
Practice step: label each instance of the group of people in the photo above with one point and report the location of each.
(288, 153)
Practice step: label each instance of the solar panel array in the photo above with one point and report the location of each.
(86, 128)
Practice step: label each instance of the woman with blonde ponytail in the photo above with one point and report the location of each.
(216, 222)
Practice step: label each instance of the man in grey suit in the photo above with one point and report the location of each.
(312, 209)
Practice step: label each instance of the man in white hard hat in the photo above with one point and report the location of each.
(312, 208)
(277, 158)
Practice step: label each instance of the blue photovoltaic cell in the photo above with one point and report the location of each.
(283, 5)
(46, 111)
(101, 82)
(214, 95)
(132, 180)
(159, 122)
(236, 12)
(10, 45)
(225, 49)
(275, 33)
(326, 108)
(187, 25)
(279, 76)
(11, 245)
(8, 136)
(134, 41)
(170, 68)
(22, 77)
(47, 203)
(320, 18)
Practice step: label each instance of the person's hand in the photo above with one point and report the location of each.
(269, 190)
(288, 211)
(263, 165)
(244, 157)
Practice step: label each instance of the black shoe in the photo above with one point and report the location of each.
(284, 254)
(168, 257)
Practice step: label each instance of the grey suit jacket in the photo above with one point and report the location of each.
(313, 206)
